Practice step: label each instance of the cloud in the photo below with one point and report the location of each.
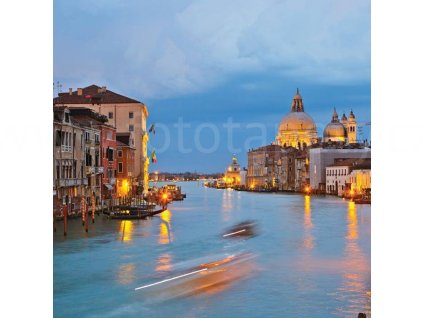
(164, 49)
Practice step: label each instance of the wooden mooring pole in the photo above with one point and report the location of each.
(86, 218)
(65, 220)
(93, 208)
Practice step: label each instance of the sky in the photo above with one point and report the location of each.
(218, 76)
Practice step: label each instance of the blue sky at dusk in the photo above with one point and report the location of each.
(205, 63)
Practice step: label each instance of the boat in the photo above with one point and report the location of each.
(213, 275)
(131, 215)
(244, 229)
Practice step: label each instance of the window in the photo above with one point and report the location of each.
(109, 135)
(110, 115)
(120, 153)
(87, 136)
(67, 117)
(58, 138)
(97, 139)
(131, 127)
(120, 167)
(131, 115)
(110, 154)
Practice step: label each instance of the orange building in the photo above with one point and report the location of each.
(125, 164)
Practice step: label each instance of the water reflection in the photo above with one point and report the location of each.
(164, 263)
(126, 230)
(227, 204)
(126, 274)
(308, 224)
(356, 277)
(165, 236)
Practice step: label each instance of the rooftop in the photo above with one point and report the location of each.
(93, 94)
(355, 163)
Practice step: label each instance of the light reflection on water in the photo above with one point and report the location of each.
(314, 258)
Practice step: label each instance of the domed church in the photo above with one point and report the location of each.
(344, 132)
(297, 128)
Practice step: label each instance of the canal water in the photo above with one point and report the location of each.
(312, 258)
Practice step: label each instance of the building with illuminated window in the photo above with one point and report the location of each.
(338, 175)
(233, 173)
(123, 113)
(125, 164)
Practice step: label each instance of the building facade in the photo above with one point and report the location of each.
(361, 181)
(69, 180)
(262, 169)
(100, 150)
(125, 164)
(320, 158)
(233, 173)
(123, 113)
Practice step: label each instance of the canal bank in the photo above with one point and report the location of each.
(313, 255)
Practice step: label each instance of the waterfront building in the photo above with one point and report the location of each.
(124, 113)
(125, 164)
(286, 169)
(302, 179)
(104, 164)
(320, 158)
(360, 180)
(243, 177)
(69, 178)
(297, 128)
(338, 178)
(262, 166)
(233, 173)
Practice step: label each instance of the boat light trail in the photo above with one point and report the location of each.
(173, 278)
(234, 233)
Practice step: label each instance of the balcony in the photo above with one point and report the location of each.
(88, 141)
(66, 148)
(72, 182)
(94, 170)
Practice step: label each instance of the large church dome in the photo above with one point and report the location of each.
(297, 121)
(297, 127)
(335, 131)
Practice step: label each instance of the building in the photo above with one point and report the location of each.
(125, 164)
(360, 181)
(338, 178)
(233, 173)
(243, 176)
(297, 128)
(100, 150)
(286, 169)
(302, 171)
(69, 180)
(124, 113)
(262, 166)
(320, 158)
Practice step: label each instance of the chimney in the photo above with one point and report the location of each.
(70, 91)
(79, 91)
(102, 89)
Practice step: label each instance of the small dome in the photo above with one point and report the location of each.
(352, 116)
(297, 121)
(335, 130)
